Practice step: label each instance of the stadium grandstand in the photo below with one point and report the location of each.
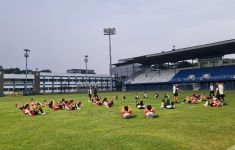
(192, 67)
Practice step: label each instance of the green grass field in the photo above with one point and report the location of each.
(189, 126)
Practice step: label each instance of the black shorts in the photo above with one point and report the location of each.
(175, 94)
(221, 95)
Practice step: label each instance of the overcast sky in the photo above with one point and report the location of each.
(60, 32)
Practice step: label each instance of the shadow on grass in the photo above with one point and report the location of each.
(134, 116)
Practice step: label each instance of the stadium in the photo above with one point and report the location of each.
(164, 81)
(192, 67)
(188, 125)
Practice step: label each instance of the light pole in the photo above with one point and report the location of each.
(86, 60)
(26, 55)
(109, 32)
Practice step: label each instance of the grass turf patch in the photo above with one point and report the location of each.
(189, 126)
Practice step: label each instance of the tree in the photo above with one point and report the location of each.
(46, 71)
(12, 71)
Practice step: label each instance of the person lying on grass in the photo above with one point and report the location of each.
(213, 102)
(52, 105)
(126, 112)
(140, 104)
(150, 112)
(166, 103)
(74, 106)
(71, 105)
(38, 108)
(107, 103)
(96, 100)
(63, 104)
(194, 99)
(33, 110)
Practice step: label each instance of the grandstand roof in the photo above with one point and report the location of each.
(211, 50)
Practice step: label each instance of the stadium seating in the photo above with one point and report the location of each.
(153, 76)
(196, 74)
(211, 73)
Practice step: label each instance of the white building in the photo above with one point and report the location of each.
(54, 83)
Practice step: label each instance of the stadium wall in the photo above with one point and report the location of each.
(167, 86)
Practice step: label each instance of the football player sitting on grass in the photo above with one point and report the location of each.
(126, 112)
(33, 110)
(166, 103)
(150, 112)
(96, 101)
(107, 103)
(140, 104)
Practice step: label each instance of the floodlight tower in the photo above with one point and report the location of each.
(109, 32)
(26, 55)
(86, 60)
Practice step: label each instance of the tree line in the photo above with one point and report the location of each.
(19, 71)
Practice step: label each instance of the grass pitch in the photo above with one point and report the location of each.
(189, 126)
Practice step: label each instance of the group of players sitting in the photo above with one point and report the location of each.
(195, 98)
(97, 101)
(149, 112)
(213, 101)
(31, 108)
(35, 108)
(166, 103)
(63, 104)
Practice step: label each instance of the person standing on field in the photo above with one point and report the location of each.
(221, 91)
(212, 90)
(89, 92)
(176, 93)
(95, 92)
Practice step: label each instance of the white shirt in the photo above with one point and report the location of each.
(89, 91)
(211, 88)
(175, 89)
(221, 89)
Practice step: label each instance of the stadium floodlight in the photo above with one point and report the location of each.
(173, 48)
(109, 32)
(86, 60)
(26, 55)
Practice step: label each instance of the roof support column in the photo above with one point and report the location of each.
(146, 71)
(213, 62)
(159, 70)
(133, 67)
(175, 68)
(192, 66)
